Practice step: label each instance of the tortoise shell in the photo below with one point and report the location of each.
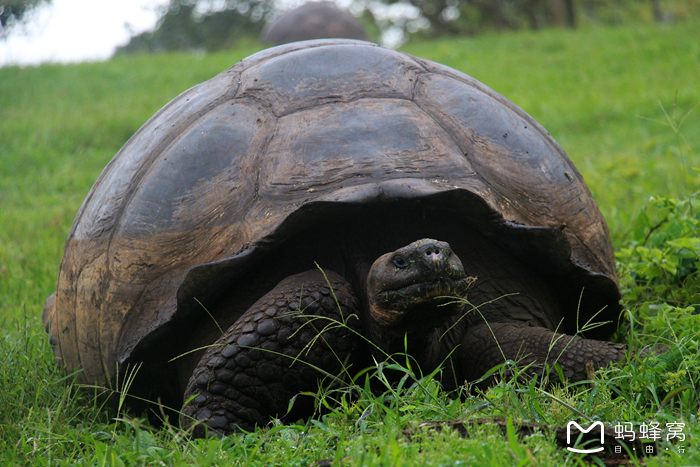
(313, 20)
(234, 166)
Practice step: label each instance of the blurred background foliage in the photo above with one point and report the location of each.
(218, 24)
(13, 13)
(208, 25)
(202, 25)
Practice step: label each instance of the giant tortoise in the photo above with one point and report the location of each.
(318, 205)
(313, 20)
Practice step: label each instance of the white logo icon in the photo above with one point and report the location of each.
(580, 429)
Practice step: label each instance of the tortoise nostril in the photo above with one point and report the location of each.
(432, 252)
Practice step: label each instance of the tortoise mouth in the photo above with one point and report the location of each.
(422, 305)
(442, 289)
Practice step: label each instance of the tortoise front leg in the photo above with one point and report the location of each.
(483, 348)
(271, 354)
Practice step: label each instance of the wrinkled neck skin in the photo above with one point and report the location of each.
(418, 344)
(421, 344)
(383, 343)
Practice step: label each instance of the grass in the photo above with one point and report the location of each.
(605, 95)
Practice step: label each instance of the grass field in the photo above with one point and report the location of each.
(619, 100)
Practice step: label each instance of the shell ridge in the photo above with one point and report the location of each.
(146, 167)
(422, 63)
(234, 85)
(143, 170)
(438, 122)
(285, 49)
(341, 102)
(345, 71)
(122, 351)
(487, 91)
(114, 161)
(414, 87)
(470, 136)
(244, 161)
(583, 244)
(263, 154)
(73, 322)
(134, 317)
(478, 148)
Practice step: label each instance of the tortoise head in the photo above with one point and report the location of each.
(416, 287)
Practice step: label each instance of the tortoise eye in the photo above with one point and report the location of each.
(400, 262)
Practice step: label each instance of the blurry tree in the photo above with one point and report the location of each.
(13, 12)
(570, 13)
(622, 11)
(215, 24)
(453, 17)
(656, 8)
(472, 16)
(202, 25)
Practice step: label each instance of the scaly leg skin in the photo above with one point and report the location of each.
(537, 346)
(250, 374)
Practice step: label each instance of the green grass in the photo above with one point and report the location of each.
(601, 92)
